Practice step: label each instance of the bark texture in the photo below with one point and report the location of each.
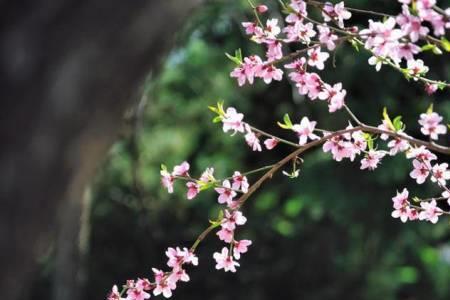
(69, 69)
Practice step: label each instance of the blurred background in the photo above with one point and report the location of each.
(325, 235)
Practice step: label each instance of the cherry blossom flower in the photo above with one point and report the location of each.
(326, 37)
(226, 194)
(167, 180)
(114, 294)
(240, 247)
(178, 274)
(397, 145)
(335, 95)
(371, 160)
(232, 120)
(252, 140)
(317, 58)
(250, 27)
(299, 32)
(193, 190)
(339, 148)
(270, 143)
(401, 199)
(420, 172)
(336, 12)
(421, 153)
(403, 213)
(446, 194)
(272, 29)
(299, 11)
(225, 261)
(384, 126)
(411, 25)
(232, 219)
(240, 182)
(376, 61)
(407, 51)
(270, 72)
(416, 68)
(431, 126)
(274, 51)
(440, 173)
(225, 235)
(430, 89)
(305, 130)
(430, 211)
(207, 176)
(137, 294)
(181, 170)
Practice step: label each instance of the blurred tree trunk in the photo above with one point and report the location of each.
(69, 69)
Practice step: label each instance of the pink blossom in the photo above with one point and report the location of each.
(430, 211)
(411, 25)
(317, 58)
(262, 9)
(270, 72)
(446, 194)
(299, 32)
(430, 89)
(240, 247)
(232, 219)
(384, 126)
(407, 51)
(181, 170)
(240, 182)
(250, 27)
(420, 172)
(193, 190)
(339, 148)
(167, 180)
(403, 213)
(326, 37)
(376, 61)
(335, 96)
(431, 125)
(207, 176)
(225, 235)
(397, 145)
(299, 8)
(416, 68)
(440, 173)
(114, 294)
(176, 256)
(274, 51)
(226, 194)
(271, 143)
(272, 29)
(401, 199)
(421, 153)
(305, 130)
(137, 294)
(225, 261)
(371, 160)
(178, 274)
(336, 12)
(252, 140)
(232, 120)
(247, 71)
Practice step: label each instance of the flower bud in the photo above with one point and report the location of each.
(261, 9)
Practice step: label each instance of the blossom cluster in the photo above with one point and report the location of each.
(164, 282)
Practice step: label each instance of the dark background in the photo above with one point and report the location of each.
(325, 235)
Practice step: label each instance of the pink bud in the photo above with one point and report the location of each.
(261, 9)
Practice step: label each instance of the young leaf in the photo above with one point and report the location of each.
(388, 119)
(234, 59)
(398, 124)
(445, 44)
(430, 109)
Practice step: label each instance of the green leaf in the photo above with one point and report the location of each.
(234, 59)
(355, 44)
(163, 167)
(388, 119)
(217, 119)
(445, 44)
(398, 124)
(430, 109)
(287, 122)
(369, 139)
